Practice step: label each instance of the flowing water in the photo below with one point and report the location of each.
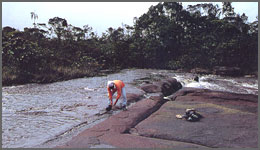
(42, 115)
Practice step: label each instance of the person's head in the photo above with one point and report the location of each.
(111, 85)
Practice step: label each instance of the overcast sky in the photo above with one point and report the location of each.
(98, 15)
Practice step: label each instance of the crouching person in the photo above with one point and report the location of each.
(119, 87)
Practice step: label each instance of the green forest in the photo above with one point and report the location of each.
(167, 36)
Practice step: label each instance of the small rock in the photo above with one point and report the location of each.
(196, 79)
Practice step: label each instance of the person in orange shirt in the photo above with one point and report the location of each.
(119, 87)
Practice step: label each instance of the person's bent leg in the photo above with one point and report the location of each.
(124, 98)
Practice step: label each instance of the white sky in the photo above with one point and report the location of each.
(98, 15)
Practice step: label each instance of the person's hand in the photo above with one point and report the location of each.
(109, 108)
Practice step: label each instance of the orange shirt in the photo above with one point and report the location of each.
(119, 85)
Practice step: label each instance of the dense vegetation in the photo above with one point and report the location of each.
(166, 37)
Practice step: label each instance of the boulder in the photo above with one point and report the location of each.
(167, 87)
(170, 86)
(196, 78)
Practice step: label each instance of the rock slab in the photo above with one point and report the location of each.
(230, 120)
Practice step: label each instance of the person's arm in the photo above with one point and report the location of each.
(110, 96)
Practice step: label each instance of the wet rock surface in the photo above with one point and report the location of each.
(35, 114)
(50, 115)
(229, 121)
(116, 131)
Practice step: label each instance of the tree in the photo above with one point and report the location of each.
(211, 11)
(165, 37)
(87, 30)
(227, 9)
(34, 16)
(78, 33)
(58, 26)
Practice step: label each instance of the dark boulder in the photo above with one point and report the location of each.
(196, 79)
(170, 86)
(167, 87)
